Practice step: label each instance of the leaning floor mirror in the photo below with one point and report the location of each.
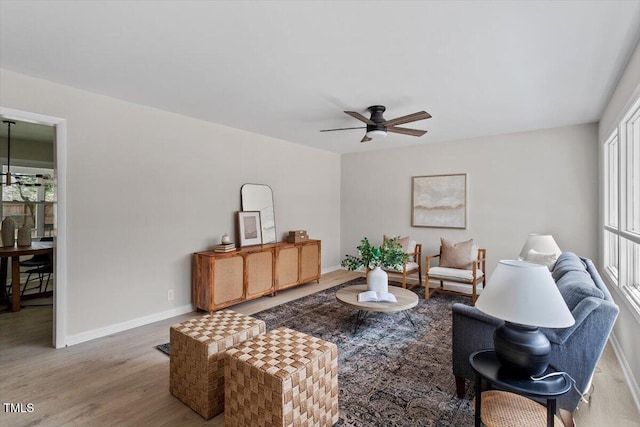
(259, 197)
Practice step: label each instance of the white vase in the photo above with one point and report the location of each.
(378, 280)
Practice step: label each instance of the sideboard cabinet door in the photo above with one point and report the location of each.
(310, 261)
(229, 281)
(259, 270)
(288, 266)
(216, 281)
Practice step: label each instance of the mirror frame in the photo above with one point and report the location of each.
(261, 204)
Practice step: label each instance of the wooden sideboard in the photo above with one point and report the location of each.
(223, 279)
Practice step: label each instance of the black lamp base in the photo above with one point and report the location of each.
(521, 349)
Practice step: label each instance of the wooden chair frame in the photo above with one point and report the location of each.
(417, 256)
(479, 264)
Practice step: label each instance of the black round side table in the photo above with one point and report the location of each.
(487, 367)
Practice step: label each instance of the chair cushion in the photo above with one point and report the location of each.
(410, 266)
(457, 255)
(453, 273)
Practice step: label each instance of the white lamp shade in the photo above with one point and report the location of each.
(524, 293)
(542, 243)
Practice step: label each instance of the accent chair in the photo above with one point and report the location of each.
(414, 265)
(453, 268)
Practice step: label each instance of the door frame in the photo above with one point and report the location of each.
(60, 251)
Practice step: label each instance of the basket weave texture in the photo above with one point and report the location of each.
(503, 409)
(283, 378)
(196, 367)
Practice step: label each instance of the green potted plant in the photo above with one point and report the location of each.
(389, 255)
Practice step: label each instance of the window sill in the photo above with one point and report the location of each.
(621, 294)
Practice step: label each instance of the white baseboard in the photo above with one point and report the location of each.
(119, 327)
(626, 370)
(141, 321)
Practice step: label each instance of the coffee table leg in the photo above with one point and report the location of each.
(360, 316)
(410, 320)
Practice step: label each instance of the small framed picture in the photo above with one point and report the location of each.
(250, 228)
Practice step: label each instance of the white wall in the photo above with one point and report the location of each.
(625, 331)
(146, 188)
(534, 182)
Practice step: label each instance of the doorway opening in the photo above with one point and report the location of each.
(36, 200)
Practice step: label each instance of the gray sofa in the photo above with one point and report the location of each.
(575, 350)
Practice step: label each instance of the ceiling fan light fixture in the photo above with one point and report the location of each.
(376, 133)
(376, 129)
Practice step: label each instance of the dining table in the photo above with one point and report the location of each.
(15, 252)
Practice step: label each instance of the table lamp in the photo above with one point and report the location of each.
(526, 297)
(541, 243)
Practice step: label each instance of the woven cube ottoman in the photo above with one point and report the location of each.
(196, 367)
(283, 378)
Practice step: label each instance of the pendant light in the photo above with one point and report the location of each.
(8, 174)
(11, 179)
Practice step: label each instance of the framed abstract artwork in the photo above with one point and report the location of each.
(249, 228)
(439, 201)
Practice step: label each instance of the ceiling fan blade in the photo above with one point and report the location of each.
(360, 117)
(406, 131)
(331, 130)
(420, 115)
(366, 139)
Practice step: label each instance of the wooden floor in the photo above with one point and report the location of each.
(123, 380)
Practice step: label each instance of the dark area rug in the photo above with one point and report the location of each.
(389, 374)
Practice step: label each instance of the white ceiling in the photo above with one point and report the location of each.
(288, 69)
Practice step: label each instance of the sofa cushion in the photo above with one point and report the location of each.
(574, 286)
(567, 261)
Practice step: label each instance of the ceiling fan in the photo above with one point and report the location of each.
(377, 125)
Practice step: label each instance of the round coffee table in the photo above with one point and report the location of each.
(349, 297)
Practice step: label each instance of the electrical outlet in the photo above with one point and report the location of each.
(170, 294)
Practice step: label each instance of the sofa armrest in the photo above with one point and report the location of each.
(582, 345)
(472, 330)
(595, 276)
(580, 313)
(471, 313)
